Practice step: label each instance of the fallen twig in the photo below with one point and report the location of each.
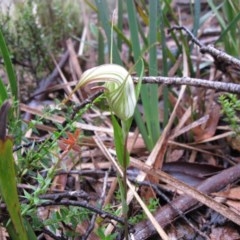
(221, 86)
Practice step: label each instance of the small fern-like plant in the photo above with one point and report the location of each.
(230, 106)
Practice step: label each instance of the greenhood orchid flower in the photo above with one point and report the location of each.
(119, 88)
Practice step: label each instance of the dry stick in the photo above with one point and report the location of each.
(221, 86)
(28, 145)
(167, 214)
(68, 194)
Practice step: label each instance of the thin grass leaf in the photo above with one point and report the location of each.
(134, 30)
(3, 92)
(102, 7)
(227, 12)
(151, 106)
(139, 84)
(217, 13)
(101, 54)
(197, 12)
(122, 37)
(224, 35)
(91, 5)
(120, 24)
(164, 64)
(143, 37)
(138, 87)
(9, 67)
(102, 10)
(142, 13)
(228, 35)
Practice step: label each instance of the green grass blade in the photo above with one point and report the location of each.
(134, 45)
(120, 24)
(151, 105)
(164, 64)
(137, 114)
(14, 125)
(133, 25)
(139, 84)
(9, 67)
(229, 36)
(122, 37)
(142, 129)
(101, 55)
(3, 92)
(224, 35)
(197, 12)
(217, 13)
(134, 30)
(227, 14)
(102, 7)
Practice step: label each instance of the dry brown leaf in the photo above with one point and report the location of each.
(193, 126)
(211, 125)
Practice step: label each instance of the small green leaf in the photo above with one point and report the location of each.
(9, 67)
